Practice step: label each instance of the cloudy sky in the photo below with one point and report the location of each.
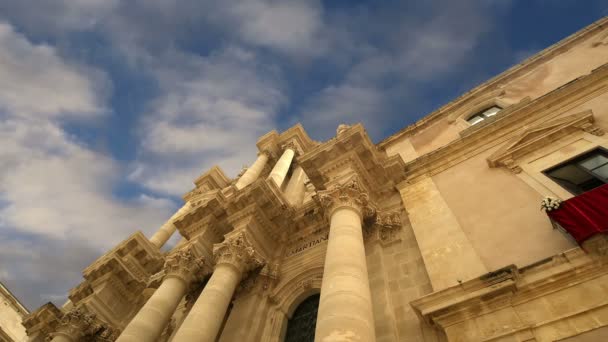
(110, 108)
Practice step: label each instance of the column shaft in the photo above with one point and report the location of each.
(205, 319)
(151, 320)
(281, 168)
(253, 172)
(163, 234)
(296, 189)
(345, 306)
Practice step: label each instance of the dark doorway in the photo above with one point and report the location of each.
(301, 325)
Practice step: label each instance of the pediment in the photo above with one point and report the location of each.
(537, 136)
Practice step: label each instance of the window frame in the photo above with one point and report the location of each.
(574, 161)
(481, 114)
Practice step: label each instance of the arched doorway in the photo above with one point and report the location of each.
(301, 325)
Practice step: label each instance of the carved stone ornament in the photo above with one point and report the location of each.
(388, 224)
(185, 265)
(342, 128)
(238, 252)
(292, 145)
(269, 153)
(349, 194)
(75, 324)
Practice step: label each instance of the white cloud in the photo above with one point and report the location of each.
(212, 111)
(35, 81)
(294, 27)
(55, 192)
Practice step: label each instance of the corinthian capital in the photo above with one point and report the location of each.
(237, 251)
(183, 264)
(75, 324)
(349, 194)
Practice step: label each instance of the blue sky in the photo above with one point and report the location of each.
(109, 109)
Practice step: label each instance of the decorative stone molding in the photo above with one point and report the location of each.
(238, 252)
(183, 264)
(350, 194)
(538, 136)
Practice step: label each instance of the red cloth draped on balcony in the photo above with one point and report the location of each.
(584, 215)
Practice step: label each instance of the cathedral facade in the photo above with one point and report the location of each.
(433, 234)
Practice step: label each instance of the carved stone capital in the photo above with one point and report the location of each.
(292, 145)
(183, 264)
(238, 252)
(268, 153)
(75, 324)
(350, 194)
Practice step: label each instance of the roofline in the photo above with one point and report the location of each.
(512, 72)
(15, 301)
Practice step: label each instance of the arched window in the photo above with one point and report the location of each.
(483, 115)
(301, 325)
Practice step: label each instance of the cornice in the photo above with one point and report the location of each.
(213, 179)
(496, 82)
(504, 127)
(296, 135)
(535, 137)
(506, 287)
(352, 148)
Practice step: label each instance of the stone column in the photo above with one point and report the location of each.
(296, 189)
(233, 257)
(254, 171)
(345, 307)
(181, 268)
(281, 168)
(74, 325)
(166, 230)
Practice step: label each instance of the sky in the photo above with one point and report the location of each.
(109, 109)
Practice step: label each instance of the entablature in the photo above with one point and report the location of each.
(352, 152)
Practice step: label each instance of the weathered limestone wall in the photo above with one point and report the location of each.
(10, 318)
(448, 255)
(499, 213)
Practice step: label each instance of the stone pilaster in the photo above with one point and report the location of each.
(233, 258)
(254, 171)
(181, 269)
(345, 307)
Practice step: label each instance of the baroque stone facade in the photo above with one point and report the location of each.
(432, 234)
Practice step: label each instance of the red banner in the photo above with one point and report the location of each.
(584, 215)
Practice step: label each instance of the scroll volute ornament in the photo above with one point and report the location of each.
(349, 194)
(183, 264)
(238, 252)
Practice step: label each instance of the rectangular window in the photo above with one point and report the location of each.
(582, 173)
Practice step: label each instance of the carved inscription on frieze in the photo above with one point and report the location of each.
(298, 248)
